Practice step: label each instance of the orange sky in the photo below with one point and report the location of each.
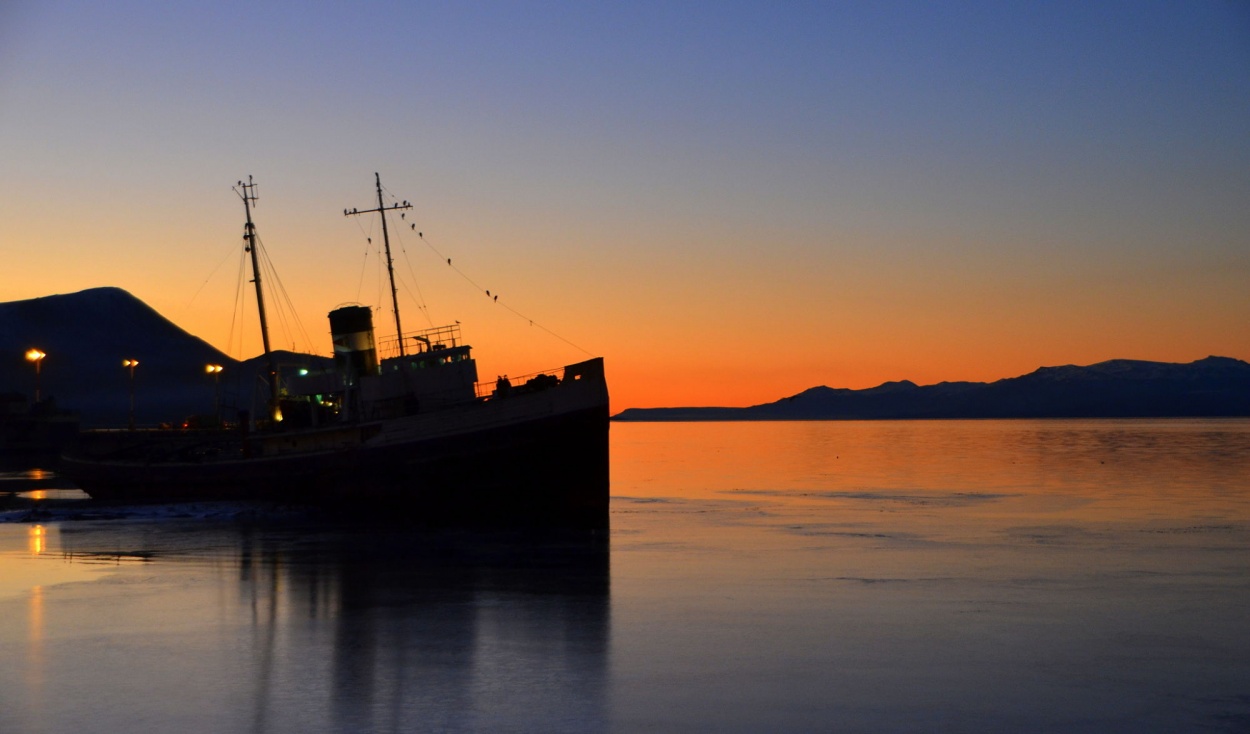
(729, 209)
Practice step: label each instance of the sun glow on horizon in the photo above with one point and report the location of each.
(836, 195)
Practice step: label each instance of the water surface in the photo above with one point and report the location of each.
(814, 576)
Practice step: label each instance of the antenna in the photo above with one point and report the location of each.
(248, 192)
(390, 265)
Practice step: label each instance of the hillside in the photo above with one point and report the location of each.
(1215, 386)
(86, 335)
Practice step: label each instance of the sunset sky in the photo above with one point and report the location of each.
(730, 202)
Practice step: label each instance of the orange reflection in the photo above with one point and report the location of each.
(38, 494)
(37, 539)
(35, 673)
(960, 472)
(36, 616)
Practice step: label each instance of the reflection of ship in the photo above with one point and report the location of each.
(308, 627)
(426, 635)
(413, 430)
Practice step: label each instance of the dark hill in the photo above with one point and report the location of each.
(1215, 386)
(86, 336)
(1121, 388)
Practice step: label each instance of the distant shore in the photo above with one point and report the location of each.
(1214, 387)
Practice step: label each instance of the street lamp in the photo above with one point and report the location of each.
(36, 356)
(130, 364)
(215, 371)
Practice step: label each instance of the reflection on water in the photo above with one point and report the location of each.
(38, 536)
(309, 629)
(25, 489)
(920, 576)
(33, 665)
(1084, 576)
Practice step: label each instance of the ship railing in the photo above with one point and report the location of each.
(504, 385)
(425, 340)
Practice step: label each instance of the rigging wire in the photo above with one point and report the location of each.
(284, 306)
(412, 290)
(412, 273)
(364, 266)
(418, 297)
(495, 297)
(240, 294)
(210, 277)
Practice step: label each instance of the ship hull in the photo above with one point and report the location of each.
(527, 460)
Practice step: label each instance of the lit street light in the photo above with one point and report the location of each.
(130, 364)
(36, 356)
(215, 371)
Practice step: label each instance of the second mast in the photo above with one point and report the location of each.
(390, 265)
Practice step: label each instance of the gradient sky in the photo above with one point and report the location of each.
(731, 202)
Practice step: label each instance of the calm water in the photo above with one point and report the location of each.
(882, 576)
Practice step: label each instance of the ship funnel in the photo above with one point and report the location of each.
(351, 327)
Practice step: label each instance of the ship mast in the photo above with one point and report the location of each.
(248, 194)
(390, 265)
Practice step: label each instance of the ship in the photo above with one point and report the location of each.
(400, 428)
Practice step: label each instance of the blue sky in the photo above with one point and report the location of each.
(922, 190)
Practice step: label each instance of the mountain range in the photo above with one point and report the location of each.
(1119, 388)
(87, 335)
